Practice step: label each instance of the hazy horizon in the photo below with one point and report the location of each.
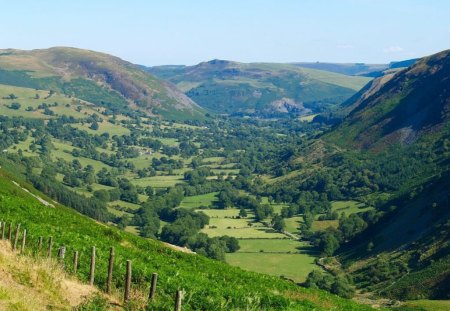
(178, 33)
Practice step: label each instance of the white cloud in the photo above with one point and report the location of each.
(393, 49)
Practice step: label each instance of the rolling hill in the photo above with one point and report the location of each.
(95, 77)
(260, 88)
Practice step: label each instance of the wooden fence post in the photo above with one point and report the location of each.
(16, 237)
(3, 230)
(127, 282)
(50, 246)
(110, 270)
(24, 239)
(39, 246)
(178, 301)
(75, 262)
(10, 232)
(62, 253)
(92, 269)
(153, 286)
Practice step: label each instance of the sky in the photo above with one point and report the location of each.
(158, 32)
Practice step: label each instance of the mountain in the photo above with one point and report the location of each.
(400, 107)
(401, 124)
(350, 69)
(391, 154)
(263, 88)
(207, 284)
(358, 69)
(96, 77)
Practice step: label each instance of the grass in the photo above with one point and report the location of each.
(262, 249)
(63, 150)
(169, 141)
(37, 284)
(199, 200)
(159, 181)
(293, 266)
(27, 98)
(104, 127)
(293, 223)
(209, 284)
(324, 224)
(269, 245)
(124, 204)
(222, 223)
(430, 305)
(349, 207)
(145, 160)
(307, 118)
(346, 207)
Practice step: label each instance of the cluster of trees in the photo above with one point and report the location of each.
(329, 240)
(230, 197)
(339, 285)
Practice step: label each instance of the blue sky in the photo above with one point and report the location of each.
(187, 32)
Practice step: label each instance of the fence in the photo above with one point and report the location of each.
(8, 232)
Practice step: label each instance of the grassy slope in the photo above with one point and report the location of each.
(409, 105)
(37, 284)
(209, 285)
(95, 77)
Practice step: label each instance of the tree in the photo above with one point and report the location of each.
(15, 106)
(242, 213)
(278, 223)
(94, 126)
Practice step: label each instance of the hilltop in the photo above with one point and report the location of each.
(260, 88)
(99, 78)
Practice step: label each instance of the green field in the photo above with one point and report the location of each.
(262, 249)
(104, 127)
(293, 223)
(199, 200)
(346, 207)
(293, 266)
(159, 181)
(270, 245)
(307, 118)
(349, 207)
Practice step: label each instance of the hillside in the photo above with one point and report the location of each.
(351, 69)
(390, 153)
(208, 284)
(400, 108)
(99, 78)
(38, 284)
(262, 88)
(358, 69)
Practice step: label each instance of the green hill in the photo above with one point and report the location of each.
(95, 77)
(262, 88)
(392, 153)
(208, 284)
(401, 107)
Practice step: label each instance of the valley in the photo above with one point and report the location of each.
(349, 197)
